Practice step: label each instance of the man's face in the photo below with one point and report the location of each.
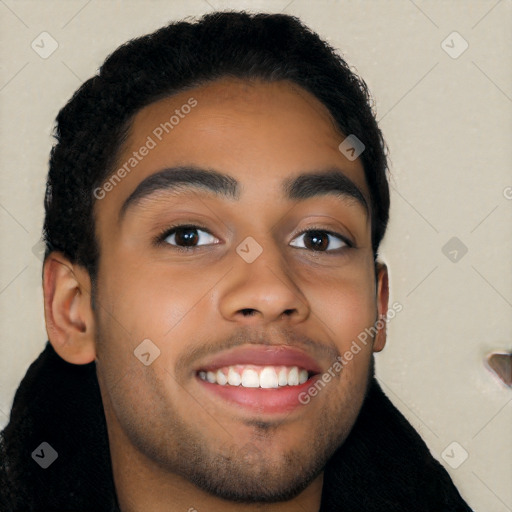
(211, 302)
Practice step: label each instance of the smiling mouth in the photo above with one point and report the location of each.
(260, 379)
(256, 376)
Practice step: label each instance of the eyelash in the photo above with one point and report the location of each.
(159, 240)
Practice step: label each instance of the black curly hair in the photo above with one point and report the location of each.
(93, 125)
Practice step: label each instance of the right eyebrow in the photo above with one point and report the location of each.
(173, 178)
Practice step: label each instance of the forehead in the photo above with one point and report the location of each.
(260, 133)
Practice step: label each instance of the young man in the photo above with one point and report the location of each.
(213, 296)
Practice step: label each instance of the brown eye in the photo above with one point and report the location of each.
(189, 236)
(316, 240)
(319, 240)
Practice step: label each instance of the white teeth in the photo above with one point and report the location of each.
(293, 377)
(268, 378)
(253, 376)
(250, 379)
(234, 378)
(221, 378)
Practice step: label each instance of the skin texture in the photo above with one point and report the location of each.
(174, 445)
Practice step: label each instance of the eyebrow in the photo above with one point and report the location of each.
(304, 186)
(331, 181)
(175, 178)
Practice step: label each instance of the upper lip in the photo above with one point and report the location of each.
(263, 355)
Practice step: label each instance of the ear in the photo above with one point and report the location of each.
(67, 309)
(381, 272)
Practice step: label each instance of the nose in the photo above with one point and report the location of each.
(262, 292)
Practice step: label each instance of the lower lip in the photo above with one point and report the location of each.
(273, 400)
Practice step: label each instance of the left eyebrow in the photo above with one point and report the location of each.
(331, 181)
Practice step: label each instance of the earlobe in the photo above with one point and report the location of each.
(67, 308)
(382, 306)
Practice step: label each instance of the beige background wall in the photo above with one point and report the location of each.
(448, 124)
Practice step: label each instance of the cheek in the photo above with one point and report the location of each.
(150, 302)
(137, 305)
(346, 305)
(347, 310)
(147, 301)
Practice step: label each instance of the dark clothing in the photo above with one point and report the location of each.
(383, 465)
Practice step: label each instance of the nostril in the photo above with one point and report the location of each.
(248, 312)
